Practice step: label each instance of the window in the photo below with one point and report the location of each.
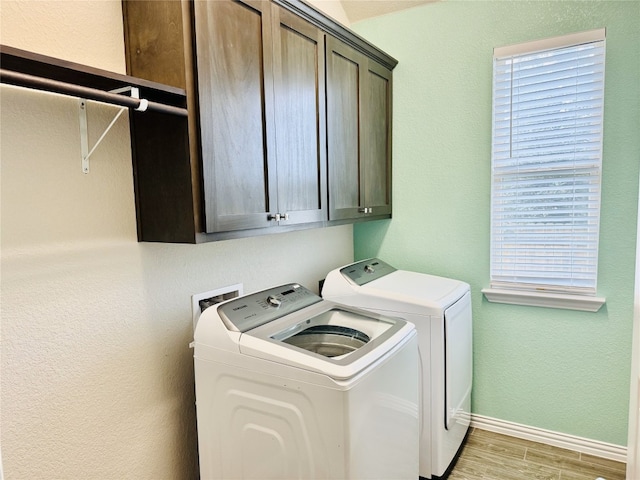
(546, 168)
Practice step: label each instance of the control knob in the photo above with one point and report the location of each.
(273, 301)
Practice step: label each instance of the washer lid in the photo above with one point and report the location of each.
(338, 355)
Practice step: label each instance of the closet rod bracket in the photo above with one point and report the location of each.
(84, 135)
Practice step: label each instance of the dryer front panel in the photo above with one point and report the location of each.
(458, 363)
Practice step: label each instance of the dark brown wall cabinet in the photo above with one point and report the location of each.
(260, 150)
(261, 89)
(359, 133)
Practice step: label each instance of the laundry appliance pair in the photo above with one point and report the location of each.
(291, 385)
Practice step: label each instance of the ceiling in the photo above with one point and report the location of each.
(357, 10)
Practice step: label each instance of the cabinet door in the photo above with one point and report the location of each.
(375, 132)
(235, 75)
(344, 86)
(358, 133)
(300, 127)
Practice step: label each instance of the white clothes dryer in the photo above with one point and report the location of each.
(289, 385)
(440, 309)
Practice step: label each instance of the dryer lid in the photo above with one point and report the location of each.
(418, 288)
(390, 290)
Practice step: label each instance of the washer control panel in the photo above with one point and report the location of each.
(366, 271)
(250, 311)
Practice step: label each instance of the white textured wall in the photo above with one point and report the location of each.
(97, 378)
(332, 8)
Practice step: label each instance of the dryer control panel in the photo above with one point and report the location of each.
(366, 271)
(251, 311)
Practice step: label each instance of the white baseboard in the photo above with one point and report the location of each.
(557, 439)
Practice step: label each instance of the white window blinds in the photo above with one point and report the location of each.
(546, 164)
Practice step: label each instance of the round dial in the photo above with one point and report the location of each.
(274, 301)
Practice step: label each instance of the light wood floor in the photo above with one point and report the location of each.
(492, 456)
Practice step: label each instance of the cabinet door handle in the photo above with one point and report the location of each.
(278, 216)
(365, 210)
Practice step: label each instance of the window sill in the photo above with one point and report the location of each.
(550, 300)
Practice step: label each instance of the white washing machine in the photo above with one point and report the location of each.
(440, 309)
(289, 385)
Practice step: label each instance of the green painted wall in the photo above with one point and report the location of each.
(559, 370)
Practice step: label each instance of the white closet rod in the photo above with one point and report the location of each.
(39, 83)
